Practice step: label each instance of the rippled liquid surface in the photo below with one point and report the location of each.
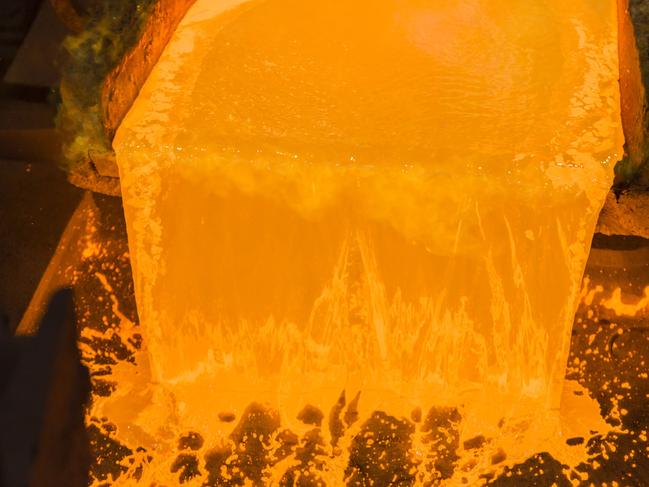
(391, 197)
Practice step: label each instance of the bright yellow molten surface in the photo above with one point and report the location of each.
(390, 196)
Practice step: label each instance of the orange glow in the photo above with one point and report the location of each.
(391, 198)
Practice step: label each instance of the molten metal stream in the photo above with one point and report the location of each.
(389, 197)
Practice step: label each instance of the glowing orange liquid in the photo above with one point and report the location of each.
(392, 197)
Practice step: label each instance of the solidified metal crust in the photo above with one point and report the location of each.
(626, 214)
(107, 64)
(633, 34)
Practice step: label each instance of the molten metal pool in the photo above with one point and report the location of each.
(357, 216)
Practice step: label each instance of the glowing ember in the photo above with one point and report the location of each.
(394, 199)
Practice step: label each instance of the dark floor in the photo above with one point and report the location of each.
(36, 203)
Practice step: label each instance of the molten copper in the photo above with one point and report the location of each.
(389, 198)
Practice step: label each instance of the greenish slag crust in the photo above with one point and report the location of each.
(89, 57)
